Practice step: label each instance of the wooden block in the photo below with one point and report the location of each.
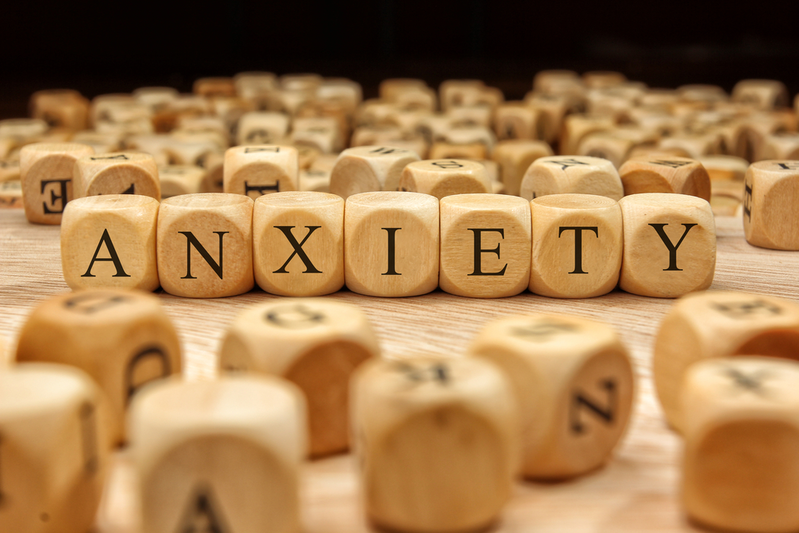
(390, 89)
(219, 455)
(598, 79)
(323, 133)
(306, 155)
(553, 81)
(315, 180)
(696, 145)
(298, 243)
(757, 127)
(726, 197)
(368, 169)
(454, 93)
(449, 150)
(669, 245)
(209, 87)
(9, 170)
(573, 383)
(702, 93)
(577, 245)
(437, 440)
(769, 206)
(259, 127)
(21, 129)
(100, 143)
(259, 170)
(421, 99)
(109, 241)
(181, 179)
(346, 93)
(761, 94)
(740, 430)
(516, 120)
(156, 98)
(46, 173)
(571, 174)
(392, 243)
(724, 168)
(54, 449)
(515, 157)
(578, 125)
(255, 87)
(485, 245)
(781, 145)
(121, 338)
(606, 145)
(679, 175)
(470, 116)
(116, 173)
(11, 194)
(61, 108)
(553, 109)
(214, 165)
(445, 177)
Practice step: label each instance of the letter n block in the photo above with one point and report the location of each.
(262, 169)
(771, 215)
(117, 173)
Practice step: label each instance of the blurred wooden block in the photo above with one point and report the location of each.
(21, 129)
(262, 169)
(577, 126)
(726, 197)
(553, 109)
(320, 132)
(214, 165)
(205, 245)
(368, 169)
(724, 168)
(100, 143)
(781, 145)
(552, 81)
(577, 245)
(485, 245)
(116, 173)
(61, 108)
(346, 93)
(262, 128)
(254, 86)
(445, 177)
(669, 245)
(315, 180)
(598, 79)
(571, 174)
(448, 150)
(219, 456)
(679, 175)
(9, 170)
(390, 89)
(470, 116)
(762, 94)
(758, 126)
(770, 192)
(156, 98)
(392, 243)
(616, 145)
(455, 93)
(11, 194)
(300, 81)
(515, 157)
(695, 145)
(181, 179)
(515, 120)
(307, 155)
(702, 93)
(437, 441)
(208, 87)
(54, 448)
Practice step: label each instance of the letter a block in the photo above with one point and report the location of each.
(205, 245)
(263, 169)
(369, 168)
(220, 456)
(573, 382)
(665, 175)
(669, 244)
(117, 173)
(485, 245)
(771, 215)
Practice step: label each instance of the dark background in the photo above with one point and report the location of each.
(101, 47)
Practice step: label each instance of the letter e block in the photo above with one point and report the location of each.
(771, 215)
(262, 169)
(117, 173)
(369, 168)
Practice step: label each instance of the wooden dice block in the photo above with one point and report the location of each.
(577, 245)
(314, 343)
(445, 177)
(762, 94)
(46, 174)
(485, 245)
(598, 79)
(181, 179)
(392, 243)
(437, 441)
(315, 180)
(23, 130)
(298, 243)
(156, 98)
(60, 108)
(577, 126)
(665, 175)
(210, 87)
(770, 212)
(219, 456)
(204, 245)
(450, 150)
(514, 157)
(262, 128)
(11, 194)
(117, 173)
(262, 169)
(516, 120)
(121, 338)
(719, 324)
(739, 461)
(669, 245)
(573, 383)
(53, 449)
(369, 168)
(724, 168)
(571, 174)
(109, 241)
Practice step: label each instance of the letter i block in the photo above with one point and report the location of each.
(263, 169)
(485, 245)
(316, 344)
(445, 177)
(117, 173)
(577, 245)
(368, 169)
(665, 175)
(219, 456)
(109, 241)
(770, 210)
(298, 243)
(391, 244)
(205, 245)
(573, 382)
(53, 449)
(46, 175)
(438, 443)
(740, 460)
(571, 174)
(669, 244)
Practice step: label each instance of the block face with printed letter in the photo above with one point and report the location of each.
(445, 177)
(770, 209)
(571, 174)
(117, 173)
(679, 175)
(261, 169)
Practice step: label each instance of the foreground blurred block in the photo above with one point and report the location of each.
(771, 212)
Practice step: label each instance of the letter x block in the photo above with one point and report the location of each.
(771, 218)
(262, 169)
(117, 173)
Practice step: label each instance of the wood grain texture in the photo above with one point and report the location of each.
(636, 492)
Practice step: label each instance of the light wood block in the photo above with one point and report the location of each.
(315, 180)
(450, 150)
(454, 93)
(117, 173)
(573, 175)
(553, 109)
(11, 194)
(438, 444)
(298, 243)
(598, 79)
(770, 189)
(214, 165)
(578, 125)
(616, 145)
(445, 177)
(470, 116)
(696, 145)
(762, 94)
(485, 245)
(553, 80)
(259, 127)
(61, 108)
(54, 448)
(679, 175)
(514, 157)
(314, 343)
(757, 127)
(726, 198)
(322, 133)
(781, 145)
(392, 243)
(255, 86)
(369, 168)
(724, 168)
(100, 143)
(516, 120)
(390, 89)
(22, 129)
(259, 170)
(204, 245)
(219, 456)
(211, 87)
(307, 155)
(156, 98)
(181, 179)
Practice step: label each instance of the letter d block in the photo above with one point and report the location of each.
(117, 173)
(263, 169)
(205, 245)
(109, 241)
(669, 244)
(771, 215)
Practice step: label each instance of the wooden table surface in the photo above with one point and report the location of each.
(638, 490)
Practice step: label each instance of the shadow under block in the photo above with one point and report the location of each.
(262, 169)
(574, 384)
(514, 157)
(437, 441)
(205, 245)
(369, 168)
(219, 456)
(47, 183)
(669, 244)
(298, 243)
(771, 212)
(485, 245)
(716, 324)
(577, 245)
(445, 177)
(314, 343)
(665, 175)
(571, 174)
(392, 243)
(54, 449)
(740, 459)
(117, 173)
(110, 241)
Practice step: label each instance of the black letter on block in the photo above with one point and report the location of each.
(670, 245)
(392, 267)
(203, 515)
(578, 244)
(88, 426)
(309, 268)
(191, 240)
(478, 251)
(106, 239)
(149, 352)
(54, 198)
(260, 189)
(606, 414)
